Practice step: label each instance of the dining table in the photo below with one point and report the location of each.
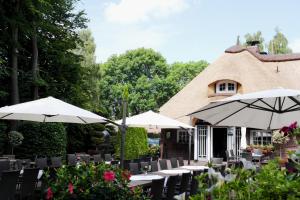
(145, 180)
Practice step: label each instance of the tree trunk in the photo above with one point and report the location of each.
(15, 99)
(35, 67)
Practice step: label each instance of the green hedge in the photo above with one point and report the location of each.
(135, 143)
(42, 139)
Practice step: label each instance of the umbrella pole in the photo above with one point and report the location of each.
(190, 146)
(123, 132)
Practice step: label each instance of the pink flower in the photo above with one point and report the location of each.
(293, 126)
(109, 176)
(71, 188)
(49, 193)
(285, 130)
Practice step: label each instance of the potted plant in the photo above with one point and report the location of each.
(279, 138)
(15, 139)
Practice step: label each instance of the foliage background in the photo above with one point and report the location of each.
(42, 139)
(136, 143)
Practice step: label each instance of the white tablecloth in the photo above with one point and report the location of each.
(174, 171)
(191, 167)
(145, 177)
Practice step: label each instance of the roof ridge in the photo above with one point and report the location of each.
(262, 57)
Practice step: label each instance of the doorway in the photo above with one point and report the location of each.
(219, 142)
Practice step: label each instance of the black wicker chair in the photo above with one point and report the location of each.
(174, 163)
(157, 188)
(180, 161)
(134, 168)
(28, 183)
(154, 166)
(8, 184)
(163, 164)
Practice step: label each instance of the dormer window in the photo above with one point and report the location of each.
(226, 87)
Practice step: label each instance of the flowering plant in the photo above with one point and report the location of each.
(279, 137)
(89, 181)
(288, 130)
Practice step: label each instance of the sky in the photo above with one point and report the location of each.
(186, 30)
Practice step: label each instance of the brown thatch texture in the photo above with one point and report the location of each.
(244, 68)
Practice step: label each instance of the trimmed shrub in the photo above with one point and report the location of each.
(135, 143)
(42, 139)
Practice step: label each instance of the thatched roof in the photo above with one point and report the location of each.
(253, 71)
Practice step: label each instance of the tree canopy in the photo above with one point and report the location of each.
(150, 80)
(279, 44)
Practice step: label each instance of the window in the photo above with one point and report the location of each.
(226, 87)
(183, 137)
(231, 87)
(260, 137)
(222, 87)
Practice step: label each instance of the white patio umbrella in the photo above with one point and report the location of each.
(151, 119)
(49, 110)
(268, 109)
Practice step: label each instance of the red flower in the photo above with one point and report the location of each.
(285, 130)
(49, 193)
(126, 175)
(109, 176)
(71, 188)
(293, 126)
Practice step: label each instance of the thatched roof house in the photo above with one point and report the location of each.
(251, 71)
(238, 70)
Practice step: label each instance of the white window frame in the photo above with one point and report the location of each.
(186, 137)
(252, 140)
(218, 91)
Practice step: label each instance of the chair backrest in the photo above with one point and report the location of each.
(194, 183)
(56, 161)
(107, 157)
(134, 168)
(157, 188)
(185, 179)
(4, 165)
(163, 164)
(171, 186)
(232, 153)
(71, 159)
(143, 165)
(228, 157)
(180, 161)
(174, 162)
(8, 184)
(86, 158)
(154, 166)
(41, 163)
(97, 158)
(28, 182)
(126, 164)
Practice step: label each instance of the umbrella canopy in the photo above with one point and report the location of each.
(49, 110)
(151, 119)
(268, 109)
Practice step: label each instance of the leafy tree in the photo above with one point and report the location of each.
(90, 70)
(140, 70)
(255, 37)
(183, 73)
(279, 44)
